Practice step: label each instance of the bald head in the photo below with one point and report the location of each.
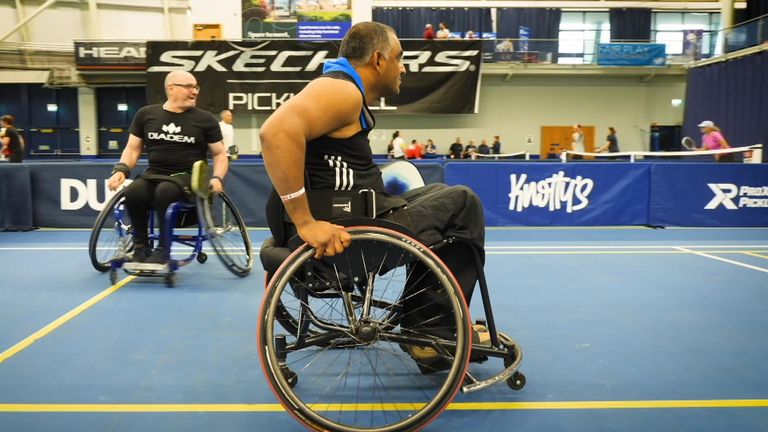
(181, 89)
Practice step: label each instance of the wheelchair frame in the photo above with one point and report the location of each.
(502, 346)
(121, 260)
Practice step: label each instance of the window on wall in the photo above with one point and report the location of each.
(580, 32)
(670, 29)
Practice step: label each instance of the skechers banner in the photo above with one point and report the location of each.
(259, 76)
(556, 194)
(710, 195)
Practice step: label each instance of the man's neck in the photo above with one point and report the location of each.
(371, 96)
(170, 106)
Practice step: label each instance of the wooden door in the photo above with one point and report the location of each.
(555, 139)
(207, 31)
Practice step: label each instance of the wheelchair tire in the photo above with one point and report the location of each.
(358, 363)
(228, 234)
(109, 236)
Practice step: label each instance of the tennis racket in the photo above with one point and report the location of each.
(688, 143)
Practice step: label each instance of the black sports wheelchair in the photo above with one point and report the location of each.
(351, 342)
(204, 216)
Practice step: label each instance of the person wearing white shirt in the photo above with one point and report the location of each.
(228, 132)
(577, 139)
(397, 146)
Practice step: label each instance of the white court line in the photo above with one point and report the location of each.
(626, 247)
(740, 264)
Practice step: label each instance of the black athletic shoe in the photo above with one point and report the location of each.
(140, 253)
(158, 256)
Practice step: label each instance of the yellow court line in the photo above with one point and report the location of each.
(754, 254)
(10, 352)
(456, 406)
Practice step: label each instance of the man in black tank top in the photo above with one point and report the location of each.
(175, 135)
(323, 132)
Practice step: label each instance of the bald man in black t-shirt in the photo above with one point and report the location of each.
(175, 135)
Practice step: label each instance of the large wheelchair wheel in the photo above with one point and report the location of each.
(111, 233)
(382, 335)
(228, 234)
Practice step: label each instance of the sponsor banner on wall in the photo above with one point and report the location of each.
(259, 76)
(557, 194)
(710, 195)
(302, 19)
(632, 54)
(110, 56)
(71, 195)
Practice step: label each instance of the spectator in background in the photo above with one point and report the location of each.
(456, 149)
(484, 149)
(413, 151)
(712, 139)
(496, 146)
(397, 146)
(228, 133)
(611, 142)
(430, 149)
(12, 143)
(470, 35)
(429, 33)
(470, 150)
(443, 33)
(505, 50)
(577, 140)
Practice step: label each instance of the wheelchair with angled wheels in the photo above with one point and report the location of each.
(203, 217)
(377, 338)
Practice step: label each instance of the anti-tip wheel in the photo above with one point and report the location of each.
(202, 257)
(516, 381)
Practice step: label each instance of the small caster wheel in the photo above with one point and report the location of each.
(202, 257)
(290, 376)
(516, 381)
(170, 280)
(113, 276)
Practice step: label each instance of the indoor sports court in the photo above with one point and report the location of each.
(545, 215)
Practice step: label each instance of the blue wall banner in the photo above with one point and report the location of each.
(709, 195)
(632, 54)
(71, 195)
(557, 194)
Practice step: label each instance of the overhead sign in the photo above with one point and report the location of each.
(107, 56)
(632, 54)
(442, 77)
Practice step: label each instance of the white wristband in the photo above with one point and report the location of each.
(293, 195)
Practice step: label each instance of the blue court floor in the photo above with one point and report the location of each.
(624, 329)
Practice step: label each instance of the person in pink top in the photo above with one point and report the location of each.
(712, 139)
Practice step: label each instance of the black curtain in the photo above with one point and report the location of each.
(544, 23)
(734, 95)
(756, 8)
(410, 22)
(630, 25)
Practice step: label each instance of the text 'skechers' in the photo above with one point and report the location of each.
(259, 76)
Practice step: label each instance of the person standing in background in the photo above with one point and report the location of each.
(228, 132)
(397, 146)
(496, 146)
(12, 143)
(429, 34)
(577, 140)
(712, 139)
(443, 33)
(611, 142)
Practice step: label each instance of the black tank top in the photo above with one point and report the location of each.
(347, 163)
